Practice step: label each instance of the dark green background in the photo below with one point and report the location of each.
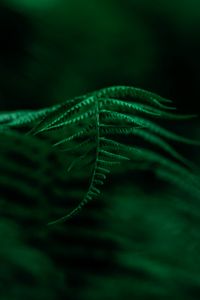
(52, 50)
(140, 240)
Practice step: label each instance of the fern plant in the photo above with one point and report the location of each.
(92, 125)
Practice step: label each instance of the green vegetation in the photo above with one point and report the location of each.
(99, 191)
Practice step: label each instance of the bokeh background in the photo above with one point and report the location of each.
(138, 241)
(52, 50)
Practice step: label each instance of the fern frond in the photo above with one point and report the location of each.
(114, 117)
(106, 123)
(86, 132)
(130, 107)
(72, 121)
(15, 119)
(60, 117)
(147, 136)
(134, 93)
(89, 123)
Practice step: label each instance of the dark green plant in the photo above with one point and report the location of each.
(87, 127)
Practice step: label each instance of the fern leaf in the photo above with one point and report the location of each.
(132, 107)
(116, 117)
(134, 93)
(149, 137)
(22, 118)
(96, 114)
(86, 132)
(72, 121)
(55, 114)
(63, 115)
(112, 156)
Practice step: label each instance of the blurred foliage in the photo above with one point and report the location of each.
(141, 239)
